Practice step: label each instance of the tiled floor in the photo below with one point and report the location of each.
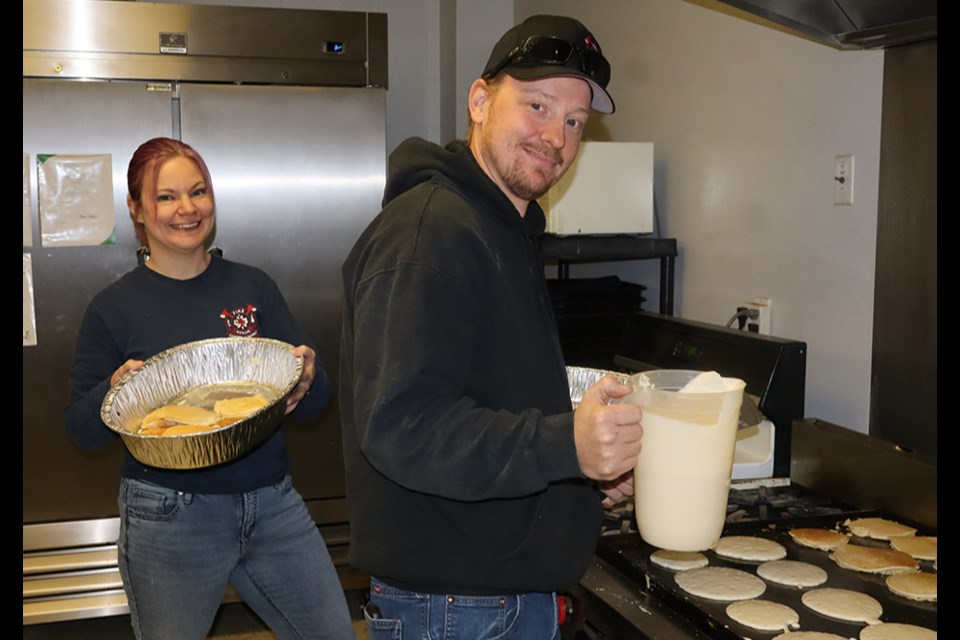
(234, 622)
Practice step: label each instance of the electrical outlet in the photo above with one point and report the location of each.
(762, 324)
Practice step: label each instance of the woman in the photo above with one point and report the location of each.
(184, 535)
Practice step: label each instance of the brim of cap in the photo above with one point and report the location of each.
(602, 100)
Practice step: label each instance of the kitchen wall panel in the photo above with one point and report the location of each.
(746, 121)
(904, 397)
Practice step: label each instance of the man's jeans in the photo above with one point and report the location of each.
(396, 614)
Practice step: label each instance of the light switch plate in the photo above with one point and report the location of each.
(843, 179)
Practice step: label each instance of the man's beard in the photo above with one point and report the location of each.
(531, 184)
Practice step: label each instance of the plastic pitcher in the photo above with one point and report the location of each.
(683, 471)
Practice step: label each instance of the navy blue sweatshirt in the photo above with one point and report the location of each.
(144, 313)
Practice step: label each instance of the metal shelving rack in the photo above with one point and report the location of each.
(609, 248)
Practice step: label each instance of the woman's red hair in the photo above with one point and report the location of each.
(146, 163)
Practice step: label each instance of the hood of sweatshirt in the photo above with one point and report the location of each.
(416, 161)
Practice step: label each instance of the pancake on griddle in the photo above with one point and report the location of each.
(679, 560)
(843, 604)
(920, 547)
(878, 528)
(752, 548)
(720, 583)
(792, 573)
(873, 559)
(764, 615)
(915, 586)
(823, 539)
(809, 635)
(897, 631)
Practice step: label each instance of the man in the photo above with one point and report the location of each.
(469, 478)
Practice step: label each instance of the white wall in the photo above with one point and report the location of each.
(746, 122)
(479, 24)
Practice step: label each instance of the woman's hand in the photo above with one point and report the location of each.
(126, 367)
(306, 377)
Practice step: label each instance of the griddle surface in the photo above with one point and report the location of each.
(631, 555)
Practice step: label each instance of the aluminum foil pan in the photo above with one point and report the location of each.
(582, 378)
(171, 373)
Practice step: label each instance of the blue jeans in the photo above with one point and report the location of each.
(406, 615)
(178, 551)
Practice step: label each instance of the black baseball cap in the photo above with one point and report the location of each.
(544, 46)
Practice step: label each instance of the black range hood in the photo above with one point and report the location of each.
(850, 24)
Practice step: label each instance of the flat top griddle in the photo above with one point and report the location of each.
(629, 554)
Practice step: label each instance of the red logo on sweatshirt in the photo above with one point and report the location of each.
(241, 322)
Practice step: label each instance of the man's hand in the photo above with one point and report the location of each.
(617, 489)
(607, 436)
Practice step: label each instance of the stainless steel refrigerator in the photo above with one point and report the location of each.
(288, 109)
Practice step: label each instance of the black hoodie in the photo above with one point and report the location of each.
(462, 475)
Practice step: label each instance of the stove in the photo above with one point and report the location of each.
(775, 502)
(629, 556)
(781, 502)
(624, 595)
(824, 475)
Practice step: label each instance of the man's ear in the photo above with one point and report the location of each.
(479, 100)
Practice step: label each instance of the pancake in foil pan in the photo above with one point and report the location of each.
(230, 364)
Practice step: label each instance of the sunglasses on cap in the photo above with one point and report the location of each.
(552, 50)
